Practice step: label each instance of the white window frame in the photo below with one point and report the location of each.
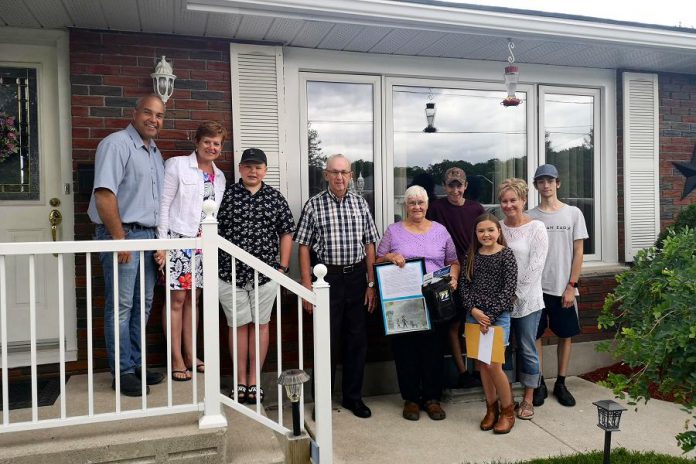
(597, 162)
(469, 73)
(375, 81)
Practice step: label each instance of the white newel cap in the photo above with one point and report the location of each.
(320, 272)
(209, 208)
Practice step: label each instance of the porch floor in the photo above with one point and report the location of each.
(555, 430)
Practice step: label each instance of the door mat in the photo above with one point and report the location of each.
(20, 392)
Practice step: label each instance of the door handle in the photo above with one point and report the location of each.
(55, 218)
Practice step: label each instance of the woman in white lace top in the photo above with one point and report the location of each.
(529, 241)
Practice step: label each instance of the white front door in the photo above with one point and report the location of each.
(35, 182)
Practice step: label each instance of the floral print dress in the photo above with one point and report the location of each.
(180, 270)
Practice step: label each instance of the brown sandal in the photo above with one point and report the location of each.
(526, 411)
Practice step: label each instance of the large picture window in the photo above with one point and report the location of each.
(471, 130)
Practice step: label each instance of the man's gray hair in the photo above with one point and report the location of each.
(337, 155)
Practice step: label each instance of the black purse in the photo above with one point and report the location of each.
(440, 301)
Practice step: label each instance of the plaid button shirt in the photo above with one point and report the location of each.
(337, 230)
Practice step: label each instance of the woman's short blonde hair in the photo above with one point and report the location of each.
(518, 186)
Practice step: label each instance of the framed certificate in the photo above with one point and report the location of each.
(401, 297)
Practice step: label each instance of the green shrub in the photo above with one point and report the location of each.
(653, 310)
(685, 218)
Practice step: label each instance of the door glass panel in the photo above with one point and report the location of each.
(473, 132)
(19, 151)
(340, 119)
(569, 145)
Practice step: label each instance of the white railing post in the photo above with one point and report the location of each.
(322, 366)
(212, 414)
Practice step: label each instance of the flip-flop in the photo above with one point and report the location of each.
(200, 367)
(251, 396)
(185, 378)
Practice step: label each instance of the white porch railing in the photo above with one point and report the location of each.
(209, 242)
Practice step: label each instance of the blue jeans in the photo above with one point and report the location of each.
(128, 299)
(525, 329)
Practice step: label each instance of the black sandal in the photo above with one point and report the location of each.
(253, 390)
(241, 394)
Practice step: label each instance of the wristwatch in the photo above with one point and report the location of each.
(282, 268)
(573, 284)
(371, 284)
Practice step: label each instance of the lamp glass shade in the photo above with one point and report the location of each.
(292, 380)
(163, 80)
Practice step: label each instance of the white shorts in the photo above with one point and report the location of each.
(246, 303)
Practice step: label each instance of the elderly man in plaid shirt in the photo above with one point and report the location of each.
(336, 224)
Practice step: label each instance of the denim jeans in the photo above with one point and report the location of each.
(128, 300)
(525, 329)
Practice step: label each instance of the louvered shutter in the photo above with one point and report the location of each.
(641, 161)
(257, 107)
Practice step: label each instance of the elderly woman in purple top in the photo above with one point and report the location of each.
(418, 355)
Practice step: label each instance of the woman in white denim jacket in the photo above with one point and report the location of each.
(188, 181)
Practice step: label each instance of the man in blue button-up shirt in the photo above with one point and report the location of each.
(128, 176)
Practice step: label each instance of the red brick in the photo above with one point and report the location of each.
(207, 75)
(84, 100)
(190, 104)
(208, 115)
(87, 122)
(102, 69)
(80, 111)
(132, 81)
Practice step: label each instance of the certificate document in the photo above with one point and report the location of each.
(401, 297)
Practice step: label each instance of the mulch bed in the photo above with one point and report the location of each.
(621, 368)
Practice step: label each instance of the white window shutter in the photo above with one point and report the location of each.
(641, 161)
(257, 107)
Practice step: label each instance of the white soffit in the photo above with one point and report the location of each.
(408, 28)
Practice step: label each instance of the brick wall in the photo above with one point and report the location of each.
(108, 72)
(677, 140)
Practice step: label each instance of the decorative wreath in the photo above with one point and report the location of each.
(9, 140)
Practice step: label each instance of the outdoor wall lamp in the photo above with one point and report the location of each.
(292, 380)
(512, 76)
(609, 414)
(163, 80)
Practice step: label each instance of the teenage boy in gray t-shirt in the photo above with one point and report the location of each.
(566, 229)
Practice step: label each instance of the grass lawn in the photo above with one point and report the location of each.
(618, 456)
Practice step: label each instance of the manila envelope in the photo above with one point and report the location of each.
(478, 347)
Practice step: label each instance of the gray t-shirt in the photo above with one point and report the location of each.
(563, 227)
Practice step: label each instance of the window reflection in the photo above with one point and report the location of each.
(569, 145)
(474, 132)
(340, 120)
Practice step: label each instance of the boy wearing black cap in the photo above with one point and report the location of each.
(255, 217)
(566, 229)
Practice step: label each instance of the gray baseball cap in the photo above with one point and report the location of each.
(546, 170)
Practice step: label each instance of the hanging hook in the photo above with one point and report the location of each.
(511, 45)
(430, 94)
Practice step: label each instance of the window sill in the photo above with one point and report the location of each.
(598, 269)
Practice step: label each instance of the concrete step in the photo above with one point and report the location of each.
(161, 439)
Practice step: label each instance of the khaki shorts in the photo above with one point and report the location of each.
(246, 303)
